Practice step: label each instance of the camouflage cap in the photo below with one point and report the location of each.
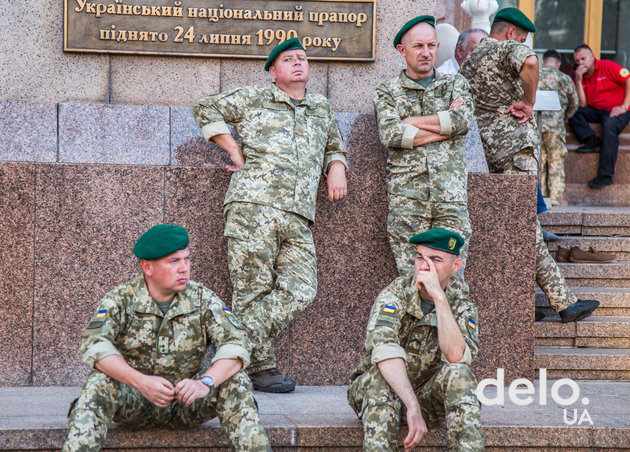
(289, 44)
(415, 21)
(515, 17)
(161, 240)
(439, 239)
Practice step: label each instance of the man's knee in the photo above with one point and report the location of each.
(381, 427)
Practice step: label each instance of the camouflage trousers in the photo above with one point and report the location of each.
(548, 275)
(448, 396)
(552, 155)
(273, 268)
(104, 399)
(407, 217)
(522, 162)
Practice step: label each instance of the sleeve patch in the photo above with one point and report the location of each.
(101, 313)
(95, 323)
(471, 324)
(232, 318)
(387, 309)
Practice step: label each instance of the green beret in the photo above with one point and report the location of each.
(439, 239)
(405, 28)
(161, 240)
(289, 44)
(515, 17)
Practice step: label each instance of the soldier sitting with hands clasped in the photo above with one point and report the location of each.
(146, 344)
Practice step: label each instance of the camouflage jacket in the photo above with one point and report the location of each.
(286, 148)
(493, 70)
(435, 171)
(553, 79)
(129, 323)
(398, 328)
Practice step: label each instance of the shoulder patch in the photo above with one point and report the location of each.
(389, 309)
(471, 323)
(98, 320)
(232, 318)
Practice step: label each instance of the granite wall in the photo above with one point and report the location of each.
(79, 183)
(33, 66)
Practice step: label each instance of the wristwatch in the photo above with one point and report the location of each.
(209, 382)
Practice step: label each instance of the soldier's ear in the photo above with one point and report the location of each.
(146, 267)
(457, 264)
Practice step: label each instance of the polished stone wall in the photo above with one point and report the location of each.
(70, 219)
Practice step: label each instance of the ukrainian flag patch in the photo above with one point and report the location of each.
(389, 309)
(227, 310)
(101, 313)
(471, 323)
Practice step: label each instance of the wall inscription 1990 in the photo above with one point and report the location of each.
(329, 30)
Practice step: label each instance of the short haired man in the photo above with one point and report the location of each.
(603, 88)
(467, 41)
(554, 150)
(146, 345)
(503, 75)
(289, 137)
(421, 340)
(423, 116)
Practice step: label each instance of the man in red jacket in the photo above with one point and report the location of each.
(603, 88)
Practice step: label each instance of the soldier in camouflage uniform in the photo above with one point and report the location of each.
(408, 371)
(554, 134)
(423, 116)
(503, 75)
(146, 345)
(289, 137)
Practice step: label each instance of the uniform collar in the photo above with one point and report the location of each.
(182, 304)
(281, 96)
(407, 83)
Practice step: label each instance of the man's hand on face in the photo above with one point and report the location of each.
(580, 71)
(157, 390)
(189, 390)
(429, 280)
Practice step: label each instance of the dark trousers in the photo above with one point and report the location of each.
(611, 128)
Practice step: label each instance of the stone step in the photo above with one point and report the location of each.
(618, 246)
(593, 332)
(319, 418)
(587, 220)
(614, 274)
(624, 136)
(584, 363)
(617, 194)
(580, 168)
(613, 301)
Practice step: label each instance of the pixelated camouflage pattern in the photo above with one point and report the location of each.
(552, 176)
(446, 391)
(401, 226)
(553, 79)
(549, 278)
(427, 185)
(435, 171)
(287, 148)
(104, 399)
(493, 72)
(172, 345)
(273, 268)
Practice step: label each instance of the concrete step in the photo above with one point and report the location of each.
(584, 363)
(618, 246)
(319, 418)
(593, 332)
(587, 220)
(624, 136)
(614, 274)
(613, 301)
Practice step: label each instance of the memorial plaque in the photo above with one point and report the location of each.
(329, 30)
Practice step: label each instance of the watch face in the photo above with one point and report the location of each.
(208, 381)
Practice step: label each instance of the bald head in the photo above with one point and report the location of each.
(419, 48)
